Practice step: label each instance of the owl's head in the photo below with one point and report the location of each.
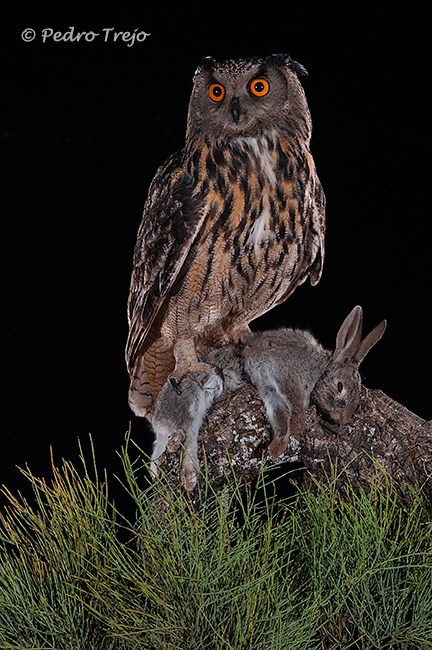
(248, 97)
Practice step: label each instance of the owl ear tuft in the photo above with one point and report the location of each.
(298, 68)
(206, 63)
(285, 59)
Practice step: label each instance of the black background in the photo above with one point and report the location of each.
(84, 126)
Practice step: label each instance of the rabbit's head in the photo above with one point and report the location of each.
(337, 392)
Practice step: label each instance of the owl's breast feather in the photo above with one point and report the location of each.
(250, 252)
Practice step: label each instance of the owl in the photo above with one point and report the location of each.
(233, 222)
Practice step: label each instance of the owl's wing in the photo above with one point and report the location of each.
(311, 207)
(315, 243)
(171, 221)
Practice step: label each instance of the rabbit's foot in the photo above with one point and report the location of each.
(154, 468)
(175, 439)
(188, 474)
(278, 446)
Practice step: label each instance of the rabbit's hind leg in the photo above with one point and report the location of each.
(279, 414)
(178, 418)
(205, 387)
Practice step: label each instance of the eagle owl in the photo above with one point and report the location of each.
(233, 222)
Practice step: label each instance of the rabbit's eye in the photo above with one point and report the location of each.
(339, 387)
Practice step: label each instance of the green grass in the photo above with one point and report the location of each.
(329, 568)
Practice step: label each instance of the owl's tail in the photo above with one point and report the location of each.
(153, 366)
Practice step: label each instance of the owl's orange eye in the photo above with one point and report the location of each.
(259, 87)
(216, 92)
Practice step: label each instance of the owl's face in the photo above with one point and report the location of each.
(248, 97)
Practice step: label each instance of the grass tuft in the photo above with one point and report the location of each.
(330, 568)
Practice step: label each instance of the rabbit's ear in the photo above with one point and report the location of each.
(369, 341)
(349, 335)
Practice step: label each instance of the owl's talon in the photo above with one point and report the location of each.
(174, 384)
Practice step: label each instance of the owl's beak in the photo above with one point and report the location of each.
(235, 109)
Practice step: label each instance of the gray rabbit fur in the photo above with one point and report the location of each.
(178, 417)
(290, 369)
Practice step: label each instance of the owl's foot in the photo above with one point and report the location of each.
(178, 374)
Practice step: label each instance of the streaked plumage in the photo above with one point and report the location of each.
(233, 223)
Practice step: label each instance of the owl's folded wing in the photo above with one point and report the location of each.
(171, 221)
(315, 243)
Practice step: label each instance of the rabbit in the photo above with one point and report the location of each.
(291, 370)
(179, 414)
